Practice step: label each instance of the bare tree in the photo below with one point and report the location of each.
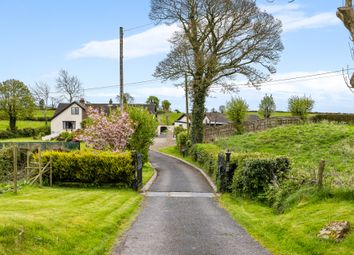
(218, 41)
(69, 85)
(41, 92)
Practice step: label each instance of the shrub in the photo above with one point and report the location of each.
(91, 167)
(254, 175)
(6, 164)
(178, 130)
(236, 110)
(300, 106)
(145, 126)
(26, 132)
(65, 136)
(267, 106)
(207, 156)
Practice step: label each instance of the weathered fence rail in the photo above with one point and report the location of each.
(212, 133)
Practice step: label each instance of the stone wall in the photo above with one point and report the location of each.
(212, 133)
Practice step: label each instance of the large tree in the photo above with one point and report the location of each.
(153, 100)
(217, 42)
(69, 85)
(41, 92)
(16, 101)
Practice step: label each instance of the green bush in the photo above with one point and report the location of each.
(91, 167)
(65, 136)
(207, 156)
(145, 126)
(183, 140)
(6, 164)
(254, 175)
(267, 106)
(26, 132)
(178, 130)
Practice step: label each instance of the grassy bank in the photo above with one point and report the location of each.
(293, 232)
(168, 118)
(64, 220)
(305, 145)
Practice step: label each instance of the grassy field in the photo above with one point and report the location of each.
(294, 232)
(306, 145)
(39, 113)
(170, 116)
(64, 220)
(4, 124)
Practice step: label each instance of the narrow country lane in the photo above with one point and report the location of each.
(186, 221)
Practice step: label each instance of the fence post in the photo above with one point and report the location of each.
(28, 165)
(15, 168)
(138, 166)
(320, 173)
(40, 167)
(50, 172)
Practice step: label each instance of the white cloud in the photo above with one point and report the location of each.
(330, 92)
(294, 17)
(150, 42)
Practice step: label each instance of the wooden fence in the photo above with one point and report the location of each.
(212, 133)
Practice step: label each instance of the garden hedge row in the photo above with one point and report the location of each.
(334, 117)
(91, 167)
(26, 132)
(254, 171)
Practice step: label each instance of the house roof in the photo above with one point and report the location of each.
(63, 106)
(216, 117)
(213, 117)
(103, 107)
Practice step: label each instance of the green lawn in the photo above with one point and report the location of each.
(171, 117)
(306, 145)
(64, 220)
(4, 124)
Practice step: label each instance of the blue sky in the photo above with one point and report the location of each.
(38, 38)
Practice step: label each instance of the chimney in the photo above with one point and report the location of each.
(82, 101)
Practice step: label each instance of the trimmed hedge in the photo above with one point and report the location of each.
(253, 172)
(334, 117)
(254, 175)
(91, 167)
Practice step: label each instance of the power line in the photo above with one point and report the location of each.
(137, 27)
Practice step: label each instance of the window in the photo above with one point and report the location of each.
(69, 125)
(74, 110)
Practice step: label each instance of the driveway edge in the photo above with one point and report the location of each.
(148, 185)
(209, 180)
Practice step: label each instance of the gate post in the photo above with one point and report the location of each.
(138, 167)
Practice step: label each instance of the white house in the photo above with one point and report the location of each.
(68, 116)
(210, 118)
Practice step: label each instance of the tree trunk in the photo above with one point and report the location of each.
(198, 111)
(12, 123)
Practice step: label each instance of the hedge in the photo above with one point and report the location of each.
(253, 171)
(91, 167)
(254, 175)
(26, 132)
(334, 117)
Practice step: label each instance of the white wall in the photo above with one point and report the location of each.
(56, 124)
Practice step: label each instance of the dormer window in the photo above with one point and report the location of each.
(74, 110)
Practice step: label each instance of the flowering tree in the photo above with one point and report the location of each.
(107, 132)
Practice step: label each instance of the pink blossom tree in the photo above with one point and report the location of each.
(104, 132)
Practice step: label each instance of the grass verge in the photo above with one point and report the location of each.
(64, 220)
(148, 172)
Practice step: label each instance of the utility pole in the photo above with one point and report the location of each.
(187, 112)
(121, 69)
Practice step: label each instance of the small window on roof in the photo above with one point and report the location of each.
(75, 110)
